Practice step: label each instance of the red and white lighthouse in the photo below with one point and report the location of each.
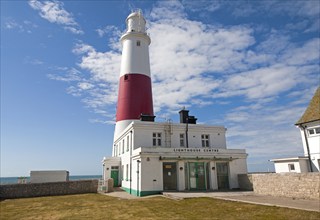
(135, 92)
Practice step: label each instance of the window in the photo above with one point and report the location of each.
(126, 77)
(205, 140)
(181, 140)
(122, 145)
(291, 167)
(156, 139)
(127, 143)
(314, 131)
(138, 43)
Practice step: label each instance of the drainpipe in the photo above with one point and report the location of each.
(130, 160)
(307, 145)
(138, 162)
(187, 142)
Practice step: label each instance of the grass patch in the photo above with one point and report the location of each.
(96, 206)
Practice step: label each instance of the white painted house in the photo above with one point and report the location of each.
(149, 157)
(309, 126)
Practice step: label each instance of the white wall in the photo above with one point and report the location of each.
(151, 173)
(144, 131)
(314, 144)
(213, 176)
(181, 176)
(49, 176)
(237, 166)
(283, 166)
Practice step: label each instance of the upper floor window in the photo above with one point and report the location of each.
(128, 143)
(138, 43)
(181, 140)
(156, 139)
(205, 140)
(122, 145)
(314, 131)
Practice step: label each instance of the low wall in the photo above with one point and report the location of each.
(11, 191)
(294, 185)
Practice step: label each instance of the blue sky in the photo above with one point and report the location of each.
(251, 66)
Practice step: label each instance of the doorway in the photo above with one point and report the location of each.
(115, 175)
(197, 176)
(223, 176)
(169, 176)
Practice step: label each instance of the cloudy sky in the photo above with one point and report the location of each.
(251, 66)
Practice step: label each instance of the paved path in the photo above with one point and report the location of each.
(251, 197)
(248, 197)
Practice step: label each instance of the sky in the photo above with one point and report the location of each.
(251, 66)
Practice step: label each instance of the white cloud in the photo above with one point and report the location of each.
(54, 12)
(201, 5)
(65, 74)
(102, 66)
(25, 26)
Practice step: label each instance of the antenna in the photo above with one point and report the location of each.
(132, 7)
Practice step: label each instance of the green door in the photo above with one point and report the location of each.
(115, 177)
(197, 176)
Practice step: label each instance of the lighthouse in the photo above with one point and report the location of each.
(150, 157)
(135, 92)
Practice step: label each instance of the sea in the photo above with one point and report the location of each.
(14, 180)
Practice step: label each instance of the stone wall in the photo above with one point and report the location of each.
(294, 185)
(11, 191)
(245, 181)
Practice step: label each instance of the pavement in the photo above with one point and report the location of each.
(237, 196)
(253, 198)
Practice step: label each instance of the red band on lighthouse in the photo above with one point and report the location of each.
(134, 97)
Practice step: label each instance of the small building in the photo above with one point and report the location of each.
(291, 165)
(45, 176)
(309, 126)
(152, 157)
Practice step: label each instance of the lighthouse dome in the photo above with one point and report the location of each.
(136, 22)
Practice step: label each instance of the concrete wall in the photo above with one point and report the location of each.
(46, 176)
(12, 191)
(236, 167)
(294, 185)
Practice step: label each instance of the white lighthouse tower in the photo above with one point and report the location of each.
(135, 92)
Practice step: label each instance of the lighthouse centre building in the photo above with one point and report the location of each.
(149, 157)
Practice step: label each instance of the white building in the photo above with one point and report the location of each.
(149, 157)
(309, 125)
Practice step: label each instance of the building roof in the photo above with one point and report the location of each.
(312, 112)
(289, 159)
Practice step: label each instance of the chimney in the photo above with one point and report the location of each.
(185, 118)
(144, 117)
(184, 114)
